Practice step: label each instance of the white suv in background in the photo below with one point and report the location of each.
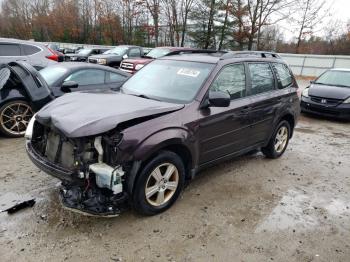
(36, 54)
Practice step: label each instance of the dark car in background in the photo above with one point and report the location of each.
(83, 54)
(328, 95)
(116, 55)
(34, 53)
(176, 116)
(135, 64)
(24, 90)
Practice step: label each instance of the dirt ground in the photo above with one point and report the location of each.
(296, 208)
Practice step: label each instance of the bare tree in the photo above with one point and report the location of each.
(260, 14)
(153, 7)
(226, 6)
(308, 14)
(186, 6)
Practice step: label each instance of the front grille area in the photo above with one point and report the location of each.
(326, 101)
(59, 150)
(127, 66)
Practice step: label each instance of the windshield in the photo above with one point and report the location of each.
(118, 50)
(169, 81)
(84, 51)
(335, 78)
(52, 73)
(158, 52)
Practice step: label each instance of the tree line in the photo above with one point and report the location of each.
(214, 24)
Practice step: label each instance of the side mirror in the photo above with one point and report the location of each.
(125, 56)
(312, 82)
(219, 99)
(66, 86)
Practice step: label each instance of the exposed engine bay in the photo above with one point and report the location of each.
(96, 183)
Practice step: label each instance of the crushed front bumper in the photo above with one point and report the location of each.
(93, 202)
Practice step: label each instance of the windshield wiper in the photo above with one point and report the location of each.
(144, 96)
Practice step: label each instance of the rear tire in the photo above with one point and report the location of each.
(14, 118)
(159, 184)
(279, 141)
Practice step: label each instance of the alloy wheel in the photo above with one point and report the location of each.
(161, 184)
(281, 139)
(15, 117)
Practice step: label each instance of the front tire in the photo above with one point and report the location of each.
(14, 118)
(279, 141)
(159, 184)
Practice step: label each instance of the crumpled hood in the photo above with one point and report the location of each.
(81, 114)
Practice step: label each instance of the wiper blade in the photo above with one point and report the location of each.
(144, 96)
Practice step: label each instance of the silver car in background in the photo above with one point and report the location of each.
(36, 54)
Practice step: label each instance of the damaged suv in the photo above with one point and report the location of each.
(175, 117)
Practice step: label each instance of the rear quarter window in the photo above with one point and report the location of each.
(10, 50)
(284, 77)
(30, 49)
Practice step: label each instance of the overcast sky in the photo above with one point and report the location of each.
(339, 10)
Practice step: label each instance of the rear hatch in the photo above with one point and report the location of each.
(24, 75)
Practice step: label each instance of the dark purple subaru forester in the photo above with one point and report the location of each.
(173, 118)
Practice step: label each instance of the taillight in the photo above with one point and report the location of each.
(53, 56)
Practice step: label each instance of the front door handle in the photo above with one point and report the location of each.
(245, 109)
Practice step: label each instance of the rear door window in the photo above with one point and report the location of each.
(87, 77)
(134, 52)
(231, 79)
(30, 49)
(284, 77)
(262, 79)
(10, 50)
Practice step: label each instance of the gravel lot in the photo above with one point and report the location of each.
(296, 208)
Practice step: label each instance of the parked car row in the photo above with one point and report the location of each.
(36, 54)
(24, 90)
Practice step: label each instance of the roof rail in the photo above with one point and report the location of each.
(245, 54)
(203, 51)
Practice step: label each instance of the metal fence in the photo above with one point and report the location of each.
(301, 64)
(314, 65)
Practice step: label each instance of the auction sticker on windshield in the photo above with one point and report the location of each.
(188, 72)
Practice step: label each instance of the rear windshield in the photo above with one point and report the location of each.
(118, 50)
(169, 80)
(84, 51)
(335, 78)
(158, 52)
(52, 73)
